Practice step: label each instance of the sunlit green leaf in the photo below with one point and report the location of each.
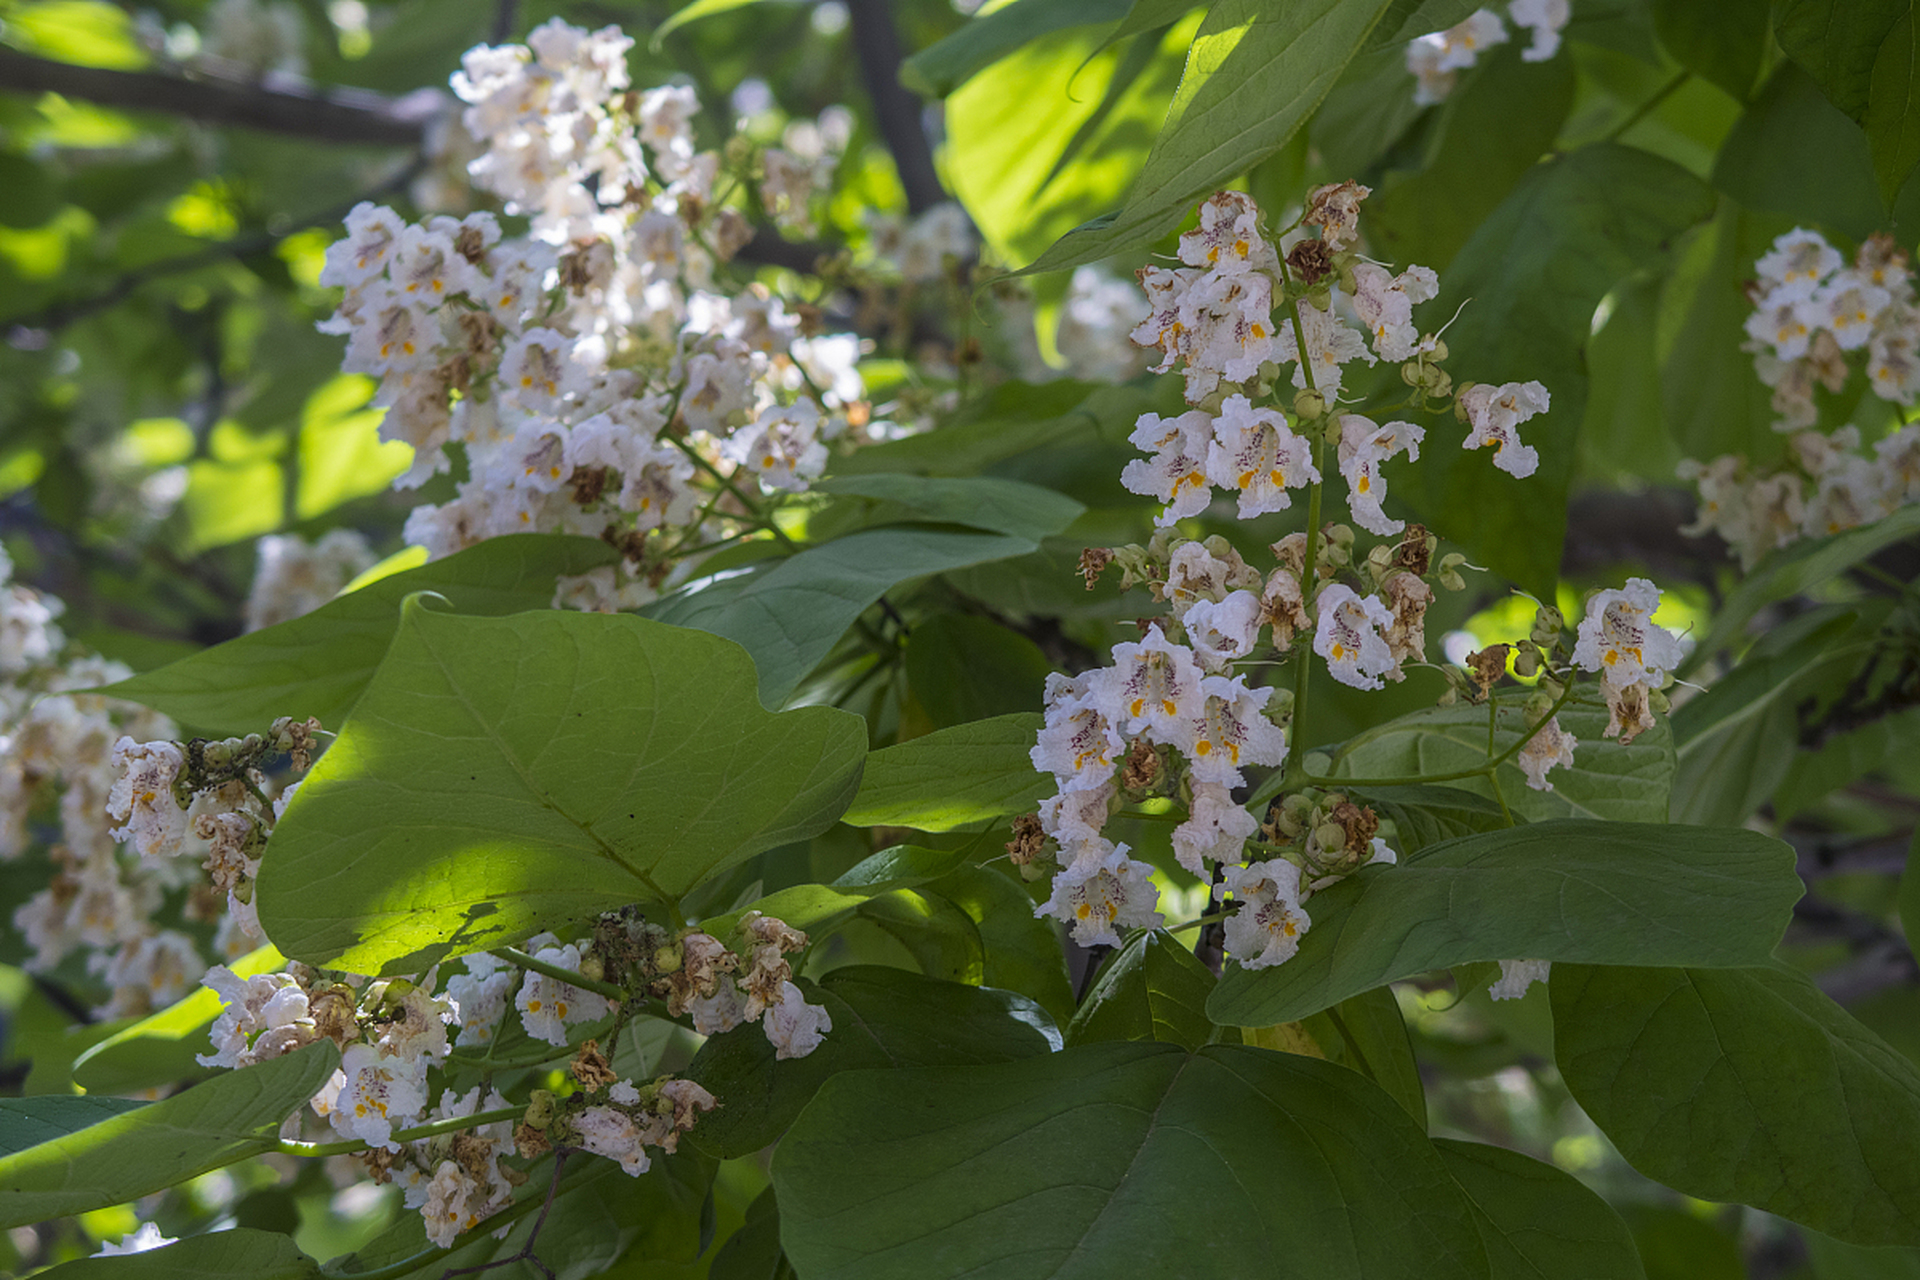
(953, 778)
(534, 769)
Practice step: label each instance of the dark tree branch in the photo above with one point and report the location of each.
(895, 107)
(275, 104)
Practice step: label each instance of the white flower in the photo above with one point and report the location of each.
(1516, 976)
(1797, 263)
(609, 1132)
(1435, 58)
(538, 370)
(1230, 319)
(722, 1011)
(373, 233)
(1363, 447)
(659, 492)
(1267, 928)
(1101, 898)
(1215, 828)
(142, 802)
(1619, 640)
(1785, 323)
(547, 1005)
(480, 996)
(1177, 472)
(1231, 729)
(1893, 355)
(426, 269)
(147, 1237)
(719, 385)
(1228, 238)
(1153, 687)
(1493, 413)
(1225, 632)
(1165, 329)
(1077, 816)
(1545, 18)
(1847, 306)
(1552, 746)
(1384, 303)
(1348, 635)
(782, 446)
(1330, 346)
(794, 1027)
(372, 1093)
(1253, 451)
(264, 1017)
(1195, 573)
(1079, 743)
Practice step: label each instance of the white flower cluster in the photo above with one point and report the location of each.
(1810, 312)
(253, 36)
(59, 768)
(592, 387)
(925, 248)
(704, 986)
(1435, 61)
(292, 577)
(1633, 656)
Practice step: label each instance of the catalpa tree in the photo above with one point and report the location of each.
(856, 640)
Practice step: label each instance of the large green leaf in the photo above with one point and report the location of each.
(160, 1048)
(1865, 55)
(1723, 40)
(502, 775)
(945, 65)
(1010, 126)
(882, 1018)
(1530, 279)
(1793, 154)
(1127, 1158)
(1011, 507)
(1537, 1222)
(61, 1167)
(1747, 1085)
(789, 613)
(953, 778)
(1425, 815)
(1367, 1033)
(1606, 780)
(318, 664)
(1490, 133)
(1254, 76)
(1739, 739)
(239, 1253)
(1588, 892)
(1151, 989)
(1019, 951)
(1799, 569)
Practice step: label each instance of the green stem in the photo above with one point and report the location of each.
(758, 513)
(515, 956)
(1647, 108)
(452, 1124)
(1482, 771)
(1296, 750)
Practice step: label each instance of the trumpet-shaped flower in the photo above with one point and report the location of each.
(1363, 447)
(1494, 413)
(1349, 635)
(1253, 452)
(1267, 928)
(1176, 474)
(1102, 897)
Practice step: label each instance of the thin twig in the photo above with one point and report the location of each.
(525, 1255)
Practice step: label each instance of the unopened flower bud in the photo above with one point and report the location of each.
(1449, 573)
(1548, 623)
(1536, 706)
(1526, 658)
(1309, 405)
(1439, 351)
(1658, 701)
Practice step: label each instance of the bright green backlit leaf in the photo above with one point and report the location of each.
(341, 454)
(1118, 1158)
(944, 66)
(534, 769)
(1746, 1085)
(55, 1169)
(1587, 892)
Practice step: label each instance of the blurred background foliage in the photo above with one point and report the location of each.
(165, 400)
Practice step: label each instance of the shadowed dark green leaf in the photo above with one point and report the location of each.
(882, 1018)
(981, 502)
(1118, 1159)
(1589, 892)
(318, 664)
(789, 613)
(504, 774)
(1537, 1222)
(1792, 153)
(1151, 989)
(1723, 41)
(1535, 270)
(952, 778)
(1746, 1085)
(129, 1151)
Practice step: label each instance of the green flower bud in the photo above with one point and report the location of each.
(1308, 404)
